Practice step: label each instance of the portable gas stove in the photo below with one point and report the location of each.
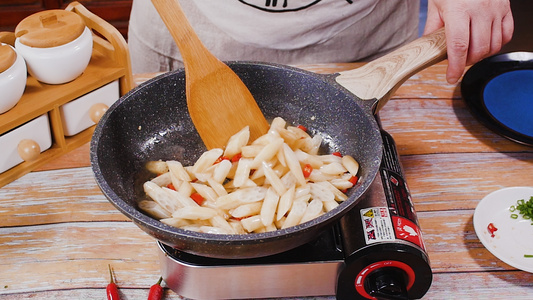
(375, 251)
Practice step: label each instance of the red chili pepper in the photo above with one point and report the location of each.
(236, 157)
(171, 186)
(302, 127)
(337, 154)
(112, 289)
(354, 179)
(491, 228)
(156, 291)
(307, 170)
(197, 198)
(221, 158)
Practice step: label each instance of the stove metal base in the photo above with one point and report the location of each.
(248, 280)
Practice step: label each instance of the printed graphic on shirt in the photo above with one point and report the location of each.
(283, 5)
(303, 22)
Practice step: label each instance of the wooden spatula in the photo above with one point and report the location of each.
(218, 101)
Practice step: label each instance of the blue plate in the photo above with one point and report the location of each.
(499, 92)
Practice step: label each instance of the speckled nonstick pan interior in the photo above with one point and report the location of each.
(151, 122)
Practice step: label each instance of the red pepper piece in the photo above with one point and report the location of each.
(221, 158)
(236, 157)
(197, 198)
(491, 228)
(302, 127)
(156, 291)
(307, 170)
(354, 180)
(171, 186)
(112, 289)
(337, 154)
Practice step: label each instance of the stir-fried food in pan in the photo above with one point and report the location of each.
(275, 182)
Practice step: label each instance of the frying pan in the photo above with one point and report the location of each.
(151, 122)
(499, 93)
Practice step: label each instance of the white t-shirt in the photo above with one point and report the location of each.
(282, 31)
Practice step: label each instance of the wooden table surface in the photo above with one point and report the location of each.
(58, 233)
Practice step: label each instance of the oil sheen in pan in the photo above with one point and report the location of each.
(508, 97)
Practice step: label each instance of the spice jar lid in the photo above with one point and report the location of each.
(7, 57)
(50, 28)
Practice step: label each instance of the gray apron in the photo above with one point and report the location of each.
(390, 24)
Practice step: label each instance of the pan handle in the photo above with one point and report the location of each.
(379, 79)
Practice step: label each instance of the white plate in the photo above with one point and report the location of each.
(514, 237)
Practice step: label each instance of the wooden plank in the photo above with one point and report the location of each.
(445, 286)
(76, 255)
(452, 243)
(481, 285)
(61, 254)
(58, 196)
(93, 293)
(79, 157)
(460, 180)
(441, 125)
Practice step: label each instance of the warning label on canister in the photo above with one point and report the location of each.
(377, 224)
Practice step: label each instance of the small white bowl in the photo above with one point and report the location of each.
(12, 83)
(60, 64)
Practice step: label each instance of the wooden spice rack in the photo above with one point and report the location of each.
(110, 61)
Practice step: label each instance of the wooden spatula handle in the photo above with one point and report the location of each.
(192, 49)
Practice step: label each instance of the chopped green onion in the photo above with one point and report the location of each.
(528, 255)
(525, 208)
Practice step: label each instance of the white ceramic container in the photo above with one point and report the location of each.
(59, 64)
(25, 142)
(12, 82)
(85, 111)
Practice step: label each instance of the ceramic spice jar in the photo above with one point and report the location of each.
(13, 77)
(56, 45)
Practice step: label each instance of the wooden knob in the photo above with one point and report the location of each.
(28, 150)
(97, 111)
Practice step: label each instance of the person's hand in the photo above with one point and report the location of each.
(474, 29)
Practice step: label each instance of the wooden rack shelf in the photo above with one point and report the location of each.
(110, 61)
